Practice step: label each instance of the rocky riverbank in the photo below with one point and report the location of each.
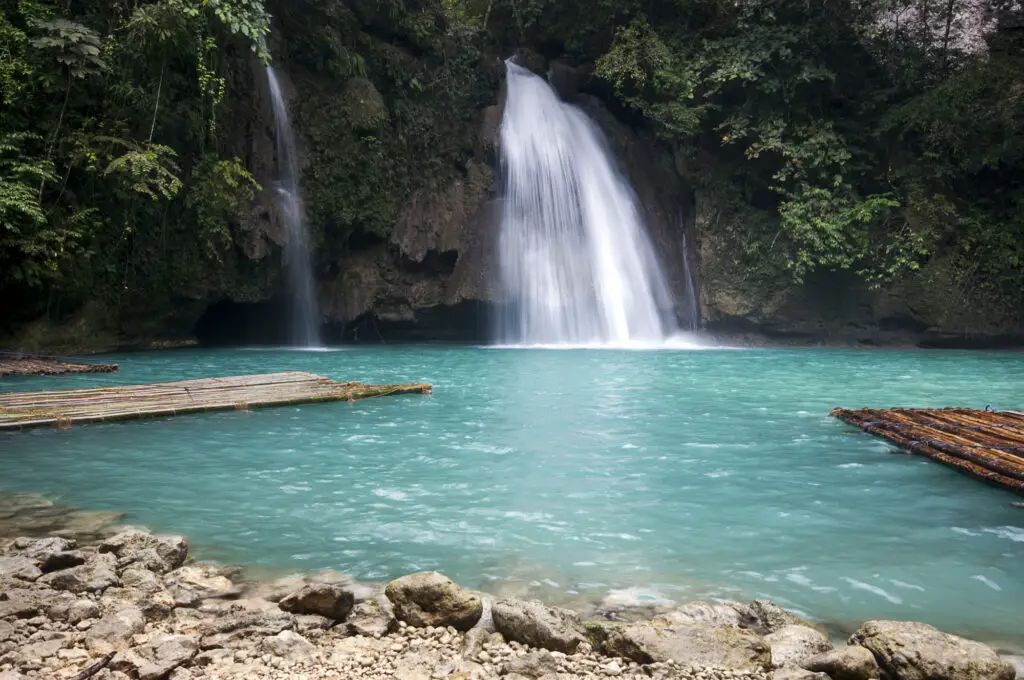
(82, 593)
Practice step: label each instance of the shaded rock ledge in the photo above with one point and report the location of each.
(75, 599)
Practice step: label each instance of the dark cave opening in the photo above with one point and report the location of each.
(227, 323)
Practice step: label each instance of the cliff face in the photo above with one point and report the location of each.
(397, 117)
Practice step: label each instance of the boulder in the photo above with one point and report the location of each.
(96, 575)
(141, 579)
(533, 665)
(771, 617)
(114, 629)
(163, 654)
(73, 611)
(535, 624)
(432, 599)
(846, 663)
(22, 603)
(45, 648)
(713, 615)
(159, 553)
(231, 628)
(192, 584)
(18, 567)
(797, 673)
(793, 644)
(324, 599)
(659, 641)
(289, 645)
(50, 554)
(916, 651)
(371, 618)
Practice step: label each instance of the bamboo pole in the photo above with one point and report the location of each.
(122, 402)
(988, 445)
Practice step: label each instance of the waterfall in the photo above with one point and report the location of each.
(692, 311)
(305, 329)
(577, 266)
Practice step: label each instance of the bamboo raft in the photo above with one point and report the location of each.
(15, 364)
(64, 408)
(988, 445)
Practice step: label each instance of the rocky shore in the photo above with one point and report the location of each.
(82, 596)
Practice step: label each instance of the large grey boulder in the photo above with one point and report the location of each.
(112, 630)
(538, 625)
(794, 644)
(332, 600)
(18, 567)
(190, 585)
(713, 615)
(658, 641)
(916, 651)
(73, 610)
(845, 663)
(50, 554)
(533, 665)
(157, 553)
(432, 599)
(771, 617)
(96, 575)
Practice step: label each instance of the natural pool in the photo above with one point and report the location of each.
(688, 473)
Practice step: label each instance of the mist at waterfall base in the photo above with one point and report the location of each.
(576, 265)
(304, 315)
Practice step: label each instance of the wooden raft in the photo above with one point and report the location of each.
(15, 364)
(99, 404)
(988, 445)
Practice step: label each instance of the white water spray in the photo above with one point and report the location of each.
(577, 265)
(305, 330)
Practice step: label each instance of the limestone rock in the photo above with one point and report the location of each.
(658, 641)
(11, 675)
(44, 649)
(794, 644)
(533, 665)
(771, 617)
(917, 651)
(230, 629)
(797, 673)
(164, 653)
(73, 610)
(846, 663)
(325, 599)
(289, 645)
(19, 567)
(536, 624)
(372, 617)
(364, 106)
(432, 599)
(713, 615)
(50, 554)
(113, 629)
(141, 579)
(96, 575)
(161, 553)
(192, 584)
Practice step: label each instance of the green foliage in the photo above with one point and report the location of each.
(220, 188)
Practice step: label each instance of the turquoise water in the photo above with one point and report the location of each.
(574, 473)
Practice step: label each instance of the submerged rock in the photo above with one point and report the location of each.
(325, 599)
(794, 644)
(655, 641)
(846, 663)
(432, 599)
(916, 651)
(534, 623)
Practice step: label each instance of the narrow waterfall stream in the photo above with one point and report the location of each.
(305, 331)
(577, 266)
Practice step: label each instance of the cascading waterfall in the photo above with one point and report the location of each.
(577, 266)
(305, 330)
